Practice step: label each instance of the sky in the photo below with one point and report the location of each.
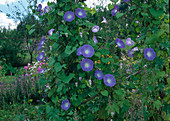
(5, 21)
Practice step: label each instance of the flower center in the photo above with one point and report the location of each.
(41, 56)
(108, 80)
(98, 75)
(66, 104)
(69, 16)
(80, 13)
(86, 65)
(149, 54)
(118, 44)
(115, 10)
(86, 51)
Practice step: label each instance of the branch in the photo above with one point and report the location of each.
(90, 99)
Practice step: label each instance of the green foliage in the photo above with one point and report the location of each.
(139, 92)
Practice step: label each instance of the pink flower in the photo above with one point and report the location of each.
(39, 68)
(25, 67)
(46, 64)
(0, 67)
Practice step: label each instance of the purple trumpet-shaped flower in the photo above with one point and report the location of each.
(95, 40)
(65, 105)
(126, 0)
(130, 53)
(42, 70)
(115, 10)
(87, 65)
(50, 32)
(87, 50)
(109, 80)
(79, 51)
(69, 16)
(104, 20)
(40, 56)
(99, 74)
(95, 28)
(41, 43)
(80, 13)
(119, 43)
(39, 7)
(129, 42)
(149, 54)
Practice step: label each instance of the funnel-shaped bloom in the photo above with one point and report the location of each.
(104, 20)
(41, 43)
(119, 43)
(95, 28)
(87, 65)
(69, 16)
(87, 50)
(65, 105)
(95, 40)
(80, 13)
(39, 7)
(109, 80)
(50, 32)
(79, 51)
(40, 56)
(149, 54)
(130, 53)
(99, 74)
(115, 10)
(129, 42)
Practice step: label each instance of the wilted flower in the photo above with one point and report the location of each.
(80, 13)
(66, 34)
(149, 54)
(69, 16)
(65, 105)
(87, 50)
(41, 43)
(87, 65)
(104, 20)
(115, 10)
(145, 65)
(137, 22)
(95, 28)
(129, 42)
(50, 32)
(95, 40)
(109, 80)
(130, 53)
(120, 43)
(99, 74)
(135, 49)
(40, 56)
